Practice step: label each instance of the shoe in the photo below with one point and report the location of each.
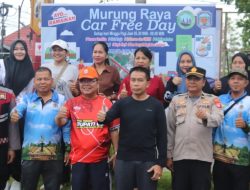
(42, 187)
(16, 185)
(7, 186)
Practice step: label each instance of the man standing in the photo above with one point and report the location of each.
(142, 133)
(90, 141)
(190, 121)
(41, 149)
(9, 134)
(231, 143)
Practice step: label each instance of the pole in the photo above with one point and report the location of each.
(4, 10)
(2, 34)
(19, 19)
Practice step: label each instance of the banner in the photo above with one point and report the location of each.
(35, 22)
(164, 29)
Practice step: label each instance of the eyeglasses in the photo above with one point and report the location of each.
(87, 81)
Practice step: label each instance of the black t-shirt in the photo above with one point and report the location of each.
(142, 129)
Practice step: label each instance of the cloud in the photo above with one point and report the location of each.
(62, 12)
(230, 129)
(189, 8)
(67, 33)
(39, 126)
(240, 141)
(162, 43)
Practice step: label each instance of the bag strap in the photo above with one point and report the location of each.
(60, 74)
(228, 109)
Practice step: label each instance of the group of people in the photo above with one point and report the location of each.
(62, 115)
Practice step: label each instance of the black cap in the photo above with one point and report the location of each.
(238, 71)
(196, 71)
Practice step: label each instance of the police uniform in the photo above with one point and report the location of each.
(190, 138)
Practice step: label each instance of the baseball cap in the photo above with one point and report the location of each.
(61, 43)
(239, 71)
(88, 72)
(196, 71)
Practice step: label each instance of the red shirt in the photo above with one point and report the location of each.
(156, 87)
(90, 141)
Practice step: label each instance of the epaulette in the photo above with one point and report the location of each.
(181, 95)
(207, 95)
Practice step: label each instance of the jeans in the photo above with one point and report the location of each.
(50, 170)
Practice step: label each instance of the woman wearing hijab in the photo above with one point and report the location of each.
(239, 60)
(17, 74)
(177, 84)
(19, 71)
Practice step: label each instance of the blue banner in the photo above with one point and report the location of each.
(166, 30)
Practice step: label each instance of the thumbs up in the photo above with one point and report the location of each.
(124, 92)
(104, 108)
(62, 113)
(14, 117)
(177, 80)
(239, 122)
(217, 85)
(101, 115)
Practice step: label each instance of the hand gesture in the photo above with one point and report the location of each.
(101, 115)
(11, 156)
(124, 92)
(157, 172)
(73, 85)
(14, 117)
(217, 85)
(62, 114)
(201, 114)
(66, 158)
(239, 122)
(169, 164)
(177, 80)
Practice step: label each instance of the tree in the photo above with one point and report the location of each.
(243, 6)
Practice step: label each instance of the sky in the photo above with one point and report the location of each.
(11, 22)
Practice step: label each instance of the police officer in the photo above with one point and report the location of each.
(190, 120)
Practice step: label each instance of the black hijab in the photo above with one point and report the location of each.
(18, 73)
(246, 61)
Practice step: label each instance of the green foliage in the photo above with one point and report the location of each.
(245, 25)
(243, 6)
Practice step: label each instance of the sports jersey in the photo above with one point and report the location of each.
(231, 144)
(42, 136)
(90, 141)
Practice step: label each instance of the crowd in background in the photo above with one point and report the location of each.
(72, 124)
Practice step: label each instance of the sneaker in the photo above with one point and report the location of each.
(7, 186)
(16, 185)
(42, 187)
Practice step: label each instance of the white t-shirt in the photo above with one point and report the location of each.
(70, 74)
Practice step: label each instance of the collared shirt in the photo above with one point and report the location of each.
(109, 81)
(231, 144)
(188, 136)
(42, 136)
